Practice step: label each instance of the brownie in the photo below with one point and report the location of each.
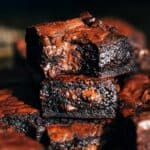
(78, 96)
(10, 139)
(15, 112)
(75, 47)
(137, 38)
(75, 136)
(134, 96)
(142, 125)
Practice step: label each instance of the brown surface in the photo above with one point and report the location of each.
(63, 133)
(10, 104)
(135, 93)
(13, 140)
(54, 28)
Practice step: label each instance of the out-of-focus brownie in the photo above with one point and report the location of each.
(142, 57)
(74, 47)
(79, 96)
(142, 125)
(135, 95)
(10, 139)
(15, 112)
(75, 136)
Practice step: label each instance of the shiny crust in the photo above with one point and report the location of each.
(13, 140)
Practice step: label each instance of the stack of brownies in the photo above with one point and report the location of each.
(79, 61)
(91, 97)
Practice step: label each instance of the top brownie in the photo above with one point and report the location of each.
(78, 46)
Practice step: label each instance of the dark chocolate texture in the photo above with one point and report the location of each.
(79, 97)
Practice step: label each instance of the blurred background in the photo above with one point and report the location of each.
(16, 15)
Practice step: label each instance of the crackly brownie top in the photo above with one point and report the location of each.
(57, 28)
(13, 140)
(72, 30)
(10, 104)
(63, 133)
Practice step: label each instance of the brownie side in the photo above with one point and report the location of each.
(79, 97)
(75, 136)
(115, 56)
(14, 140)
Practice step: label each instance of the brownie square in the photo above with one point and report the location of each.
(74, 47)
(79, 97)
(142, 125)
(15, 112)
(10, 139)
(75, 136)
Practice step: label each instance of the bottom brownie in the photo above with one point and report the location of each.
(10, 139)
(142, 125)
(75, 136)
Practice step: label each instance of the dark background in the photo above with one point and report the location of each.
(22, 13)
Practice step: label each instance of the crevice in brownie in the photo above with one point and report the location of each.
(90, 58)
